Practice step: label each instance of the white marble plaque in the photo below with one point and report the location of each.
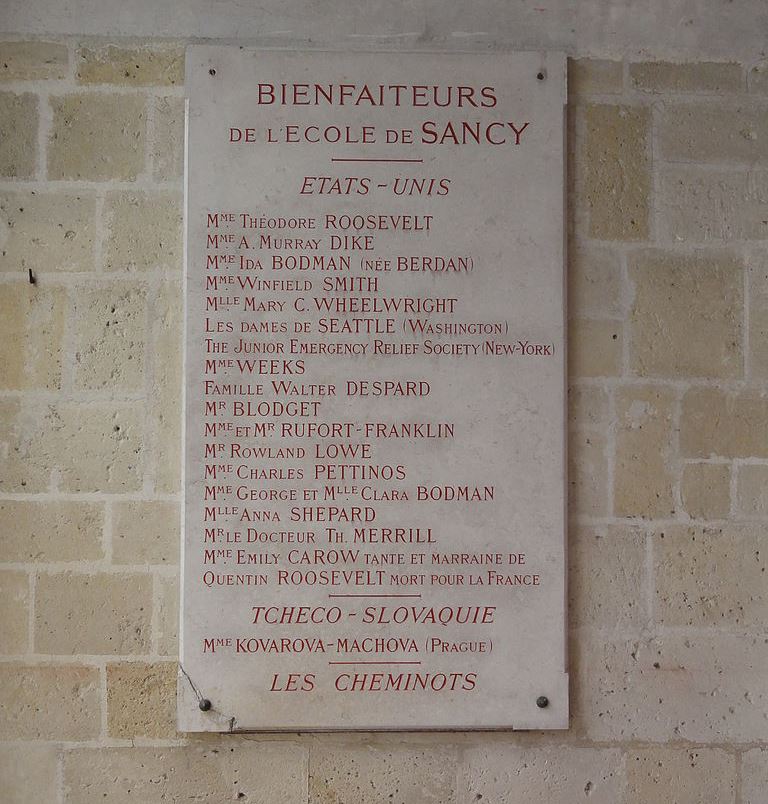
(374, 517)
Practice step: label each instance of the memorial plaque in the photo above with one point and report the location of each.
(374, 511)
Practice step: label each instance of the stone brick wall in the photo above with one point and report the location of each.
(668, 285)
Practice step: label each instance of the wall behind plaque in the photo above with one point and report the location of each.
(668, 284)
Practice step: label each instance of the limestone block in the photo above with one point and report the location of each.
(167, 616)
(687, 315)
(757, 361)
(507, 774)
(705, 489)
(141, 700)
(31, 336)
(14, 612)
(705, 132)
(607, 577)
(594, 348)
(33, 61)
(703, 775)
(643, 474)
(715, 423)
(50, 531)
(144, 232)
(49, 702)
(587, 407)
(616, 171)
(594, 77)
(711, 577)
(702, 206)
(18, 135)
(752, 491)
(109, 341)
(653, 689)
(588, 474)
(38, 439)
(145, 532)
(257, 772)
(369, 775)
(137, 67)
(97, 136)
(754, 776)
(47, 231)
(166, 407)
(708, 76)
(594, 283)
(28, 772)
(99, 613)
(168, 145)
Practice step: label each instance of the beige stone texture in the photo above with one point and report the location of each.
(79, 447)
(716, 423)
(167, 616)
(752, 491)
(587, 407)
(588, 474)
(29, 773)
(686, 319)
(704, 686)
(97, 137)
(144, 232)
(504, 773)
(33, 61)
(14, 612)
(93, 614)
(703, 775)
(710, 577)
(607, 578)
(18, 135)
(754, 775)
(709, 76)
(702, 206)
(705, 489)
(145, 532)
(757, 356)
(47, 231)
(137, 67)
(708, 132)
(263, 772)
(369, 775)
(49, 702)
(168, 145)
(594, 77)
(50, 531)
(166, 407)
(594, 348)
(616, 172)
(643, 472)
(758, 78)
(594, 283)
(31, 335)
(109, 342)
(141, 700)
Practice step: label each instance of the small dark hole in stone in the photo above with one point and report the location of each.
(211, 71)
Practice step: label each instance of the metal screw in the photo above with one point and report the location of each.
(542, 702)
(204, 704)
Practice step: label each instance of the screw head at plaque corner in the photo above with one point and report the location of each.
(542, 702)
(204, 705)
